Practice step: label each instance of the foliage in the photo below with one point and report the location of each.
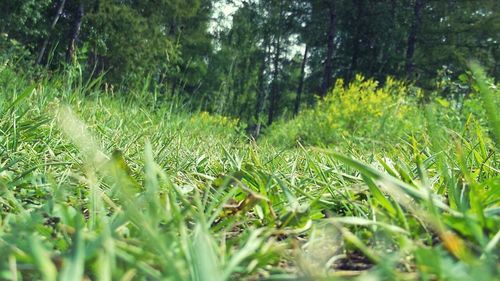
(123, 153)
(25, 21)
(213, 124)
(252, 64)
(117, 49)
(13, 53)
(90, 192)
(363, 109)
(356, 107)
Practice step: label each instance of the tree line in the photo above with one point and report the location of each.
(272, 59)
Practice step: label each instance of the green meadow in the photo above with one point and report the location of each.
(370, 184)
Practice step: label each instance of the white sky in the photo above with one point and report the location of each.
(227, 10)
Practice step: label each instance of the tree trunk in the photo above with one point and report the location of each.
(234, 96)
(97, 4)
(261, 91)
(496, 68)
(412, 36)
(357, 38)
(274, 97)
(60, 9)
(173, 87)
(75, 33)
(393, 9)
(328, 70)
(244, 87)
(301, 83)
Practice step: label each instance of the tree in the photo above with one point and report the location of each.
(418, 5)
(332, 25)
(271, 58)
(75, 32)
(300, 88)
(58, 14)
(453, 32)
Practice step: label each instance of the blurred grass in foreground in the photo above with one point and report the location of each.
(102, 188)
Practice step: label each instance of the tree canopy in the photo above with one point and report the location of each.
(268, 58)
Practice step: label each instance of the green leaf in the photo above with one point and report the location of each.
(28, 91)
(375, 175)
(73, 268)
(379, 196)
(42, 260)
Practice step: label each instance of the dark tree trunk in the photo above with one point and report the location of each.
(234, 100)
(173, 87)
(328, 70)
(60, 9)
(243, 87)
(301, 83)
(75, 33)
(357, 39)
(274, 97)
(392, 10)
(412, 36)
(496, 68)
(93, 57)
(97, 4)
(275, 94)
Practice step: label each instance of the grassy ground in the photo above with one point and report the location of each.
(101, 188)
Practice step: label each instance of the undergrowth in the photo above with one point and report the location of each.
(111, 188)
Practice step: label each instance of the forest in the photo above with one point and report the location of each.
(249, 140)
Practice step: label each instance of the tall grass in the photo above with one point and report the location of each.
(101, 188)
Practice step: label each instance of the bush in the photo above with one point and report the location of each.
(13, 52)
(206, 124)
(363, 110)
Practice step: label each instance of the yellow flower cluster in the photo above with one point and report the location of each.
(362, 102)
(207, 119)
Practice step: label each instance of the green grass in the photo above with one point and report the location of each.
(100, 188)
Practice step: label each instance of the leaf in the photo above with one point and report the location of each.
(73, 268)
(379, 196)
(489, 101)
(251, 246)
(412, 191)
(365, 222)
(42, 260)
(23, 95)
(205, 263)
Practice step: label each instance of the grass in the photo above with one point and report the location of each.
(101, 188)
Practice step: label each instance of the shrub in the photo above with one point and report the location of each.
(205, 123)
(13, 52)
(363, 110)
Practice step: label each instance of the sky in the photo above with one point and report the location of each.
(227, 10)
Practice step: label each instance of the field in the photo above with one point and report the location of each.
(101, 186)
